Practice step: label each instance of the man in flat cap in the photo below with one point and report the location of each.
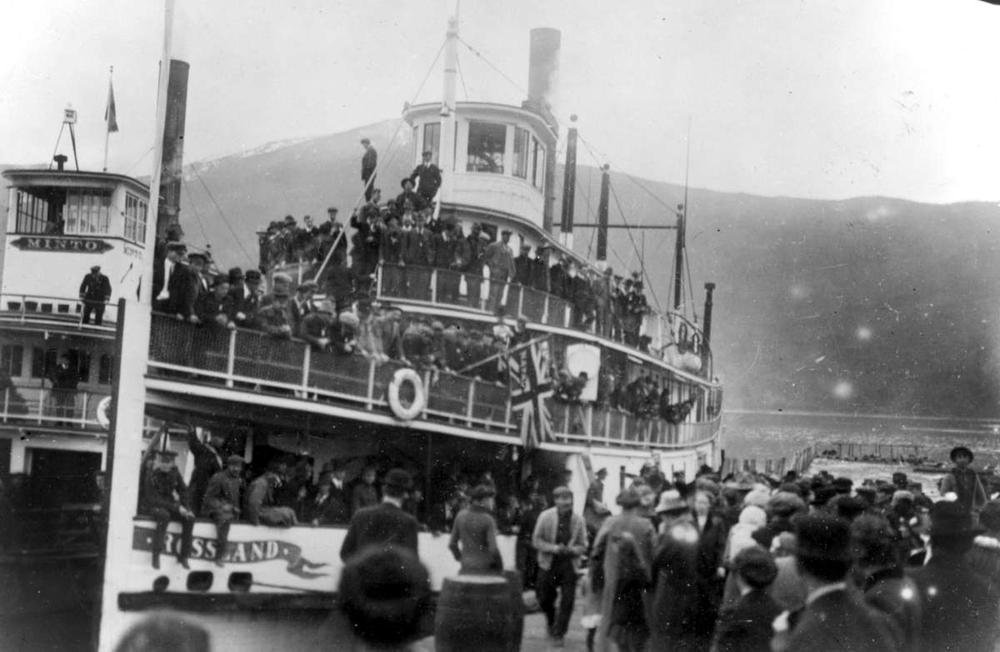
(369, 162)
(274, 317)
(385, 524)
(222, 501)
(95, 291)
(164, 498)
(499, 260)
(427, 176)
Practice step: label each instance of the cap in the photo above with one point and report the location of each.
(629, 498)
(600, 472)
(176, 246)
(289, 219)
(197, 254)
(365, 141)
(348, 318)
(428, 152)
(220, 280)
(398, 479)
(822, 495)
(784, 504)
(405, 181)
(505, 232)
(324, 306)
(95, 268)
(307, 286)
(280, 278)
(252, 275)
(756, 566)
(482, 491)
(823, 537)
(961, 450)
(236, 274)
(843, 485)
(234, 459)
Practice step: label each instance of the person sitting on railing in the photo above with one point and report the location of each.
(301, 303)
(95, 291)
(417, 343)
(315, 326)
(222, 500)
(500, 261)
(164, 497)
(274, 317)
(477, 241)
(369, 333)
(523, 266)
(261, 506)
(217, 308)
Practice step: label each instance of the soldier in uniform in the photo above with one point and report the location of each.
(500, 261)
(95, 290)
(164, 498)
(222, 501)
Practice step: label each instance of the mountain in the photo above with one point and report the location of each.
(871, 304)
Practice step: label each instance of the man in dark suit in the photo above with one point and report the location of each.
(208, 460)
(427, 176)
(834, 618)
(95, 290)
(385, 524)
(221, 503)
(960, 606)
(418, 256)
(369, 162)
(183, 286)
(746, 625)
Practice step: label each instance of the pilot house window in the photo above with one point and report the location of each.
(432, 139)
(486, 147)
(521, 139)
(37, 214)
(87, 212)
(135, 219)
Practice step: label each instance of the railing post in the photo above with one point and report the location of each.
(469, 403)
(6, 403)
(625, 420)
(606, 432)
(589, 421)
(427, 391)
(378, 280)
(567, 408)
(545, 309)
(520, 300)
(371, 383)
(231, 358)
(306, 360)
(83, 410)
(41, 403)
(506, 416)
(567, 315)
(434, 285)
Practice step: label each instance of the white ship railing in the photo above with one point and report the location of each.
(255, 362)
(37, 308)
(50, 407)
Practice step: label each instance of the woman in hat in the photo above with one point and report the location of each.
(607, 551)
(963, 481)
(674, 613)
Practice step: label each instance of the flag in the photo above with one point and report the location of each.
(529, 370)
(109, 113)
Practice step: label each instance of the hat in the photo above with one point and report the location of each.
(823, 537)
(785, 504)
(849, 507)
(602, 472)
(427, 152)
(756, 566)
(398, 479)
(236, 274)
(95, 268)
(365, 141)
(822, 495)
(234, 459)
(176, 246)
(220, 280)
(559, 492)
(252, 275)
(289, 219)
(332, 209)
(348, 318)
(950, 519)
(405, 181)
(671, 501)
(197, 254)
(505, 232)
(166, 452)
(899, 479)
(843, 485)
(629, 498)
(482, 491)
(902, 494)
(961, 450)
(280, 278)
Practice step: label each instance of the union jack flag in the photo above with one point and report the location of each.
(529, 370)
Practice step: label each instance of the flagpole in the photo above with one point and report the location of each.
(107, 121)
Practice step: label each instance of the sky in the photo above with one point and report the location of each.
(809, 99)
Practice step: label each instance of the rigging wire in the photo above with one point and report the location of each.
(197, 215)
(461, 76)
(225, 220)
(493, 66)
(139, 160)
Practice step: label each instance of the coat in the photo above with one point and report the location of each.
(428, 180)
(95, 288)
(676, 620)
(895, 595)
(207, 462)
(605, 551)
(966, 484)
(329, 509)
(417, 247)
(746, 625)
(368, 163)
(474, 541)
(544, 537)
(223, 496)
(163, 490)
(500, 260)
(841, 621)
(960, 607)
(183, 286)
(384, 524)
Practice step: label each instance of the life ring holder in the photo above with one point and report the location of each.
(103, 409)
(402, 412)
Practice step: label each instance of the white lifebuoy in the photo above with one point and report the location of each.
(419, 396)
(103, 408)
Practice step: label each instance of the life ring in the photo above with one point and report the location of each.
(419, 396)
(103, 408)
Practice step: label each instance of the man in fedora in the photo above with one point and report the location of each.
(963, 481)
(410, 195)
(222, 501)
(474, 534)
(834, 617)
(960, 607)
(369, 162)
(95, 290)
(385, 524)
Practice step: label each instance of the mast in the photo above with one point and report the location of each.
(569, 186)
(602, 214)
(681, 228)
(449, 120)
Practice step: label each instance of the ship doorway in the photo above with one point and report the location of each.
(61, 477)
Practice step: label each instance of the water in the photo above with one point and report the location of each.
(775, 435)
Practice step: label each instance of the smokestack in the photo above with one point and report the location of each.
(173, 148)
(706, 331)
(543, 71)
(569, 186)
(602, 214)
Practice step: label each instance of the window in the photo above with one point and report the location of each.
(538, 164)
(432, 140)
(521, 139)
(80, 360)
(42, 360)
(135, 218)
(36, 214)
(11, 356)
(87, 211)
(105, 369)
(486, 147)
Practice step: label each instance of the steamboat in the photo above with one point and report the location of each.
(84, 401)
